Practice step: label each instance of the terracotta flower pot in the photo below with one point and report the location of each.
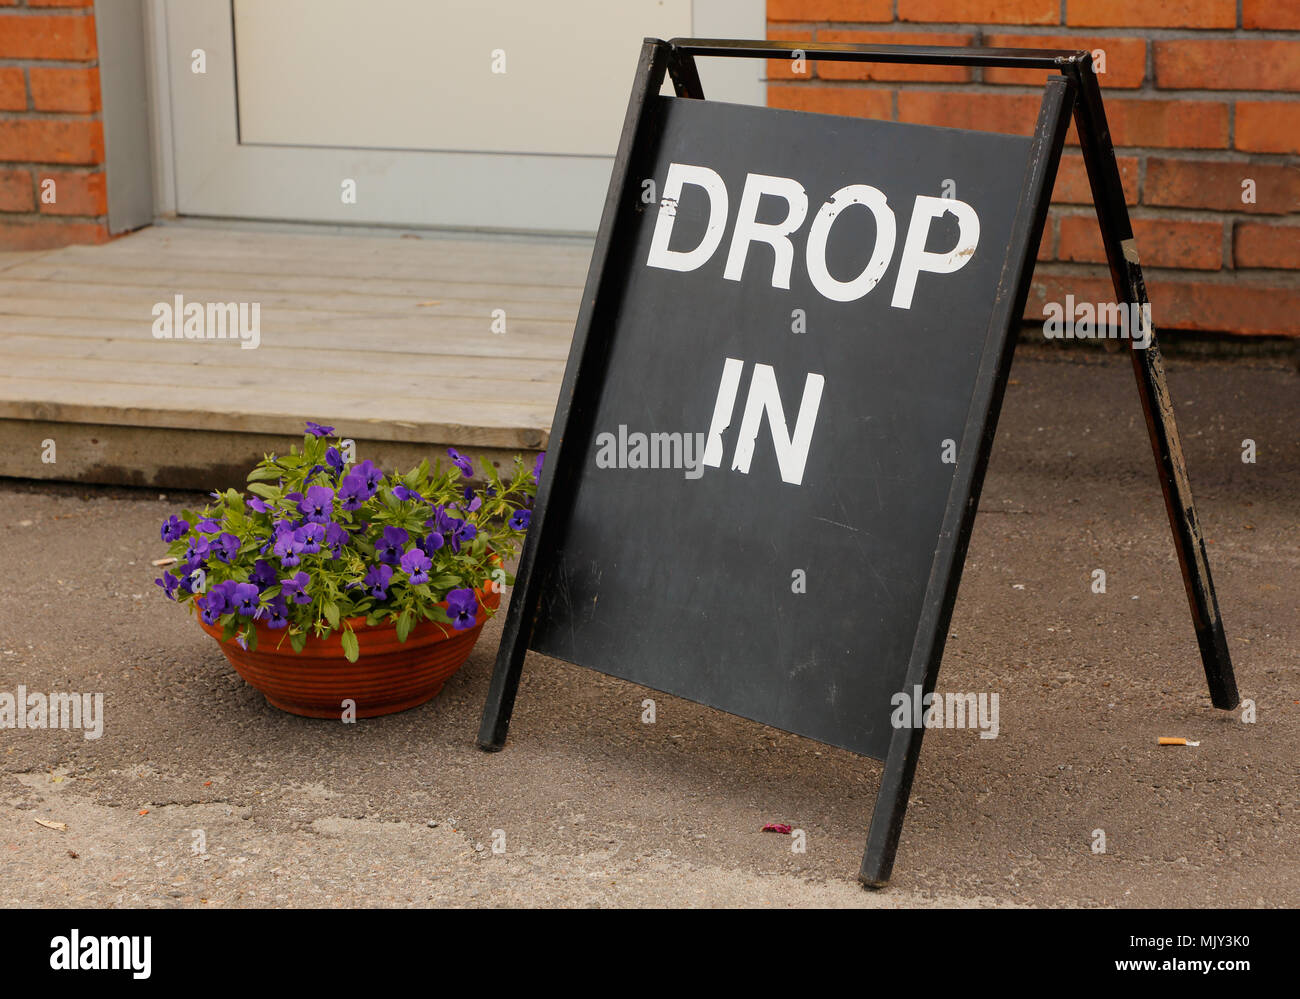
(388, 676)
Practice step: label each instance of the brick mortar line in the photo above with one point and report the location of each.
(30, 63)
(6, 216)
(1144, 91)
(23, 164)
(43, 165)
(1155, 34)
(33, 114)
(1168, 213)
(1223, 154)
(1227, 278)
(49, 11)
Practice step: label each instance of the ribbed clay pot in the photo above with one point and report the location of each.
(388, 676)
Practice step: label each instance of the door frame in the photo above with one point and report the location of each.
(201, 168)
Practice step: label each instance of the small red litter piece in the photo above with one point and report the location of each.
(777, 827)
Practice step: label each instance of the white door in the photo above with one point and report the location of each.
(483, 114)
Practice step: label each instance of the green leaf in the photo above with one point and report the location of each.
(264, 474)
(263, 490)
(404, 624)
(351, 648)
(298, 640)
(331, 613)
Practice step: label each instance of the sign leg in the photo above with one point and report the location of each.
(568, 427)
(968, 478)
(1130, 288)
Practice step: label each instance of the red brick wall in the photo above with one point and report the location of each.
(1200, 98)
(50, 127)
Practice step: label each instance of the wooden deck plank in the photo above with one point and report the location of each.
(142, 297)
(365, 269)
(366, 340)
(429, 256)
(388, 338)
(392, 319)
(202, 278)
(397, 382)
(217, 408)
(262, 240)
(17, 346)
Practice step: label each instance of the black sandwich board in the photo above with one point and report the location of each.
(794, 312)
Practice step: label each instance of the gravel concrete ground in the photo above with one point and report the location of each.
(597, 808)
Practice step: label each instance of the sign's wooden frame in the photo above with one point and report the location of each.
(1074, 89)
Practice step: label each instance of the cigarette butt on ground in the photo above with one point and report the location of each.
(164, 561)
(1169, 740)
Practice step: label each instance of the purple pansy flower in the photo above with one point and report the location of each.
(403, 493)
(432, 541)
(461, 531)
(186, 584)
(377, 580)
(207, 526)
(263, 573)
(276, 613)
(371, 473)
(288, 548)
(353, 491)
(258, 504)
(520, 519)
(244, 598)
(169, 583)
(389, 548)
(295, 588)
(217, 601)
(209, 613)
(226, 547)
(311, 537)
(336, 536)
(462, 608)
(334, 458)
(174, 528)
(461, 462)
(316, 430)
(318, 505)
(197, 551)
(416, 565)
(537, 467)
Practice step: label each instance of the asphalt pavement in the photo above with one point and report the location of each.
(199, 794)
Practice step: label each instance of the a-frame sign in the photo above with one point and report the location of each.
(865, 280)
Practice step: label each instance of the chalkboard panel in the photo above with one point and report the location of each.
(789, 593)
